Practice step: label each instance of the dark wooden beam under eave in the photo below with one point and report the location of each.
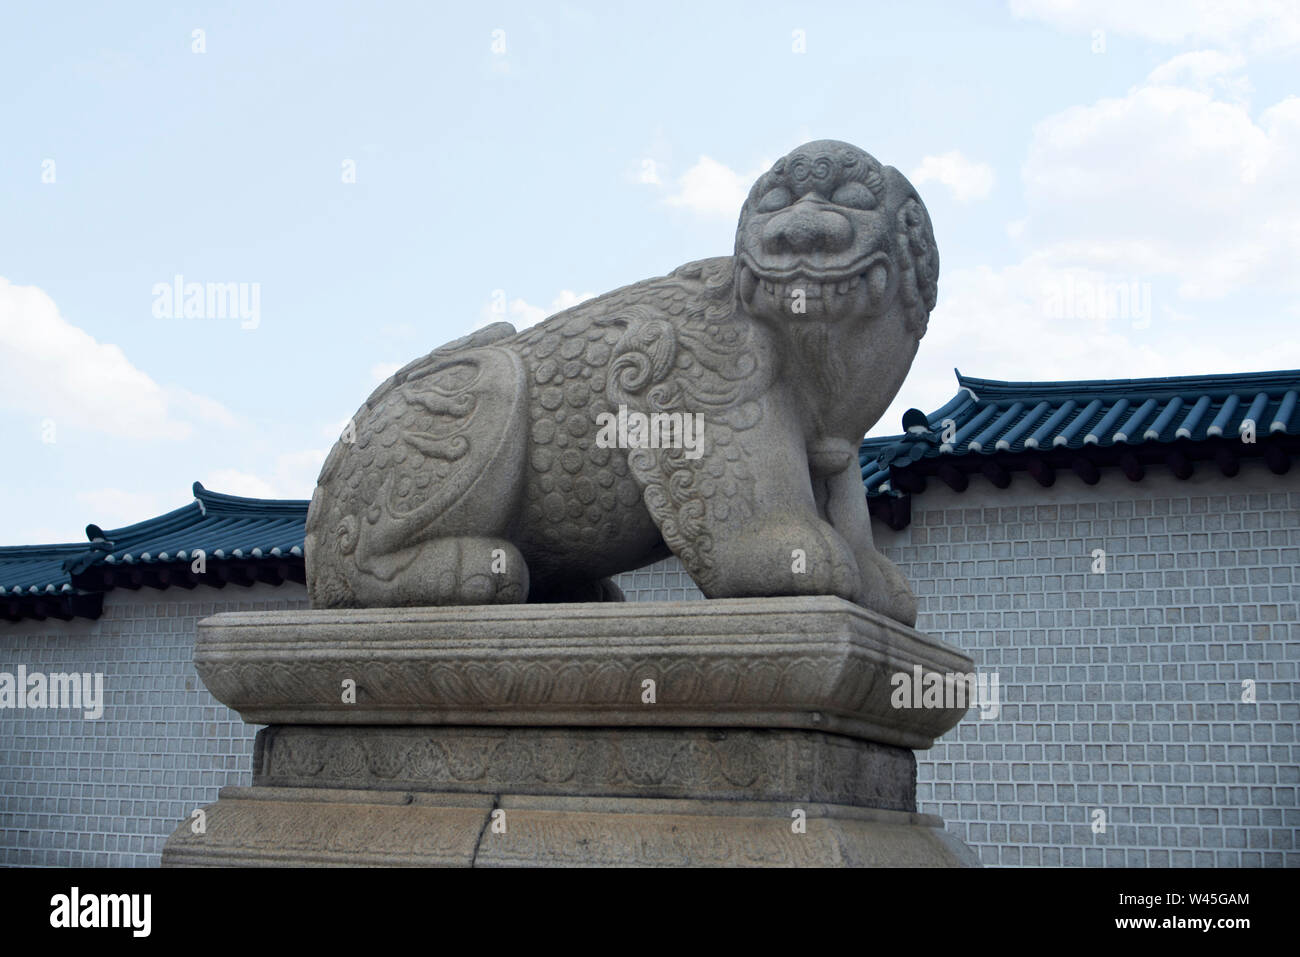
(955, 478)
(1132, 466)
(61, 608)
(907, 481)
(1228, 461)
(64, 606)
(1086, 469)
(100, 577)
(894, 510)
(996, 473)
(120, 577)
(182, 577)
(269, 573)
(1042, 472)
(901, 512)
(1179, 463)
(235, 574)
(87, 606)
(1276, 458)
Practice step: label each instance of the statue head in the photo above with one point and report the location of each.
(848, 239)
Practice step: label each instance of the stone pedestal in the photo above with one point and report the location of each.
(755, 732)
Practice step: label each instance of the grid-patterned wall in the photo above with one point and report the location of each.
(107, 792)
(1120, 692)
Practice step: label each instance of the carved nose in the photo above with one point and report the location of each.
(805, 228)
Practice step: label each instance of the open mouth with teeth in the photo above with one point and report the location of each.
(799, 294)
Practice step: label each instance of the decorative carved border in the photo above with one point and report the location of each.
(815, 663)
(633, 762)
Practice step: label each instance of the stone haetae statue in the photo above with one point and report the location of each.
(714, 413)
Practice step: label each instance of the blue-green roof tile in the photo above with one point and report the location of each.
(988, 417)
(223, 527)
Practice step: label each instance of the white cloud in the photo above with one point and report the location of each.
(292, 475)
(295, 473)
(1170, 181)
(567, 299)
(1206, 71)
(1138, 204)
(712, 189)
(1008, 324)
(967, 179)
(522, 314)
(235, 482)
(1258, 24)
(53, 369)
(382, 370)
(201, 407)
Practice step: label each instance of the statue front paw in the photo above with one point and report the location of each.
(887, 591)
(785, 555)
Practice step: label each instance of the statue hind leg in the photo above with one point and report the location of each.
(418, 508)
(460, 570)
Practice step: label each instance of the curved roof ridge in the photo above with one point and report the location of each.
(224, 502)
(36, 551)
(1216, 385)
(176, 518)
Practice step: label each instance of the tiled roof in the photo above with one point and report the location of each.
(222, 526)
(241, 541)
(36, 569)
(996, 427)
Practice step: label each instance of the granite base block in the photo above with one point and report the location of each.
(291, 827)
(742, 733)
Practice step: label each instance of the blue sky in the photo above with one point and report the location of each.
(1067, 151)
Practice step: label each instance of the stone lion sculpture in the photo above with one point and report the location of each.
(714, 413)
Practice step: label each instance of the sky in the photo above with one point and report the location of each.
(1114, 187)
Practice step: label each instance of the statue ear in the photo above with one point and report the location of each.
(898, 190)
(918, 255)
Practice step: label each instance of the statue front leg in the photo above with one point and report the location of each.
(783, 551)
(743, 518)
(886, 590)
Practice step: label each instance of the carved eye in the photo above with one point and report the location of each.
(855, 196)
(774, 199)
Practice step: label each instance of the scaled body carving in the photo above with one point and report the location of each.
(479, 474)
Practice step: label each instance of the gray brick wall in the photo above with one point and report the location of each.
(1119, 692)
(663, 581)
(108, 792)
